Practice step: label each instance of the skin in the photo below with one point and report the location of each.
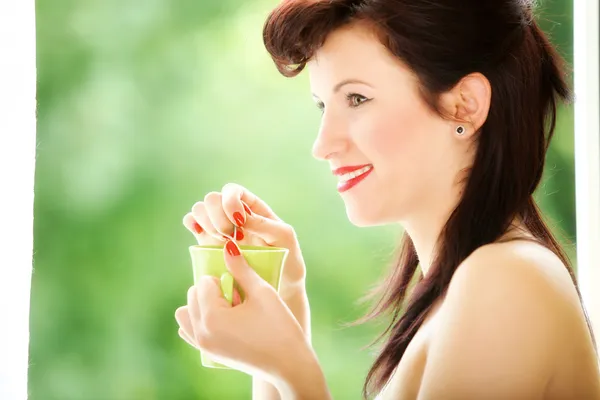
(417, 156)
(236, 331)
(537, 325)
(525, 349)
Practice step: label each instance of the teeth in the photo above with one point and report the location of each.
(351, 175)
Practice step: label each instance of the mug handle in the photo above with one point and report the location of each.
(227, 287)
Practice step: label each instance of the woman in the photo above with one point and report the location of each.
(436, 115)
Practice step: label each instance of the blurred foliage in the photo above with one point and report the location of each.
(145, 106)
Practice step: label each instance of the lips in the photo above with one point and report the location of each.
(351, 179)
(348, 169)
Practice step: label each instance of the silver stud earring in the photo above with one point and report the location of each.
(460, 130)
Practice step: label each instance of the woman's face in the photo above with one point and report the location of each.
(381, 122)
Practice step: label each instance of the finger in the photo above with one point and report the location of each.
(214, 210)
(234, 195)
(202, 238)
(243, 274)
(192, 225)
(237, 299)
(201, 216)
(183, 319)
(209, 295)
(194, 311)
(188, 339)
(273, 232)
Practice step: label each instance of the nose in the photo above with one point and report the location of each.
(332, 138)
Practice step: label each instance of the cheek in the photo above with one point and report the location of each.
(394, 142)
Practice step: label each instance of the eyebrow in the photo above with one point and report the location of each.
(341, 84)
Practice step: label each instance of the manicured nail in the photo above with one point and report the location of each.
(239, 219)
(247, 209)
(239, 235)
(197, 228)
(232, 249)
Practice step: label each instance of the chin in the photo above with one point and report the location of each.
(363, 219)
(360, 222)
(372, 213)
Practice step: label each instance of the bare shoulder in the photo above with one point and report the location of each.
(526, 280)
(510, 314)
(518, 264)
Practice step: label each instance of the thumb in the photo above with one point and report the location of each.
(274, 232)
(245, 276)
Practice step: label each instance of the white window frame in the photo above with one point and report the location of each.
(17, 166)
(587, 154)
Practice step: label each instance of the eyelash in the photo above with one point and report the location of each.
(349, 98)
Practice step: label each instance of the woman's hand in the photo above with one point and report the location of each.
(259, 336)
(212, 222)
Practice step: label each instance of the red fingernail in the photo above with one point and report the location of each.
(239, 219)
(247, 209)
(239, 235)
(197, 228)
(232, 248)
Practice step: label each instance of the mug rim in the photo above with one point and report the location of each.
(244, 247)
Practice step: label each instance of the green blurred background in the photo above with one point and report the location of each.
(143, 108)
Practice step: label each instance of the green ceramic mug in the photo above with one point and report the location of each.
(209, 260)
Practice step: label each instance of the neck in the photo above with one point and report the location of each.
(425, 231)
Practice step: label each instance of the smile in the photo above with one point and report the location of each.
(351, 179)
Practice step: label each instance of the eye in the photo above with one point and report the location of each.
(356, 99)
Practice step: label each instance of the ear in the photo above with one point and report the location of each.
(468, 103)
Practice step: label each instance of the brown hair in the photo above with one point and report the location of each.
(443, 41)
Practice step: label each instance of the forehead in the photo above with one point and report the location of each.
(349, 40)
(347, 46)
(353, 51)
